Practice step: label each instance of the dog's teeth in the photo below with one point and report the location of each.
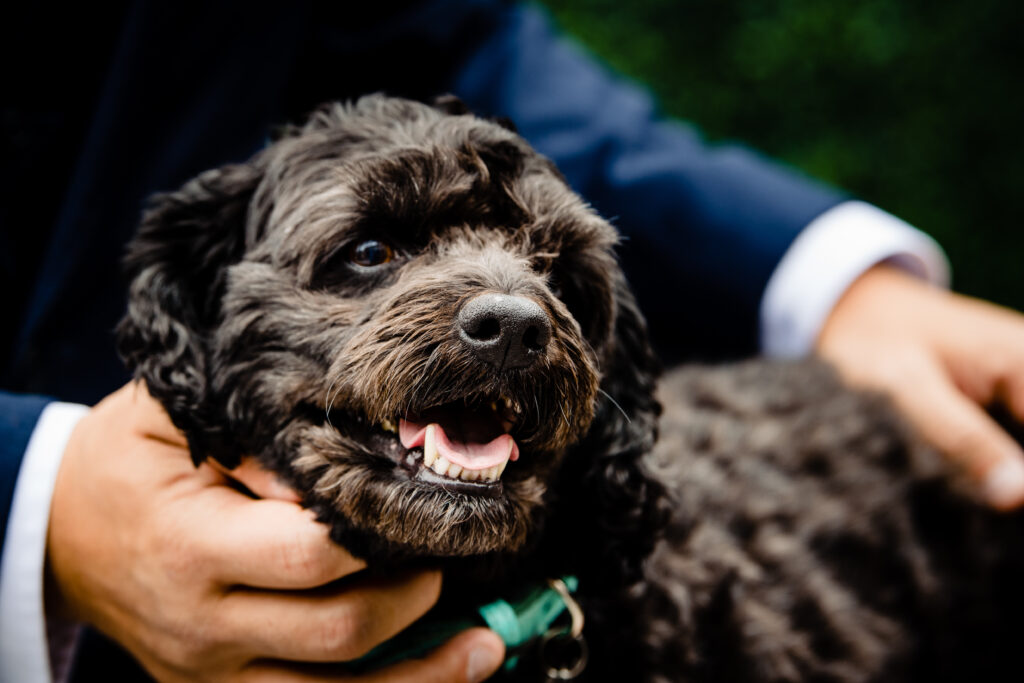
(440, 465)
(433, 459)
(430, 446)
(388, 426)
(494, 406)
(507, 401)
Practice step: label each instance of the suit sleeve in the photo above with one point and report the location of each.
(704, 226)
(35, 432)
(18, 417)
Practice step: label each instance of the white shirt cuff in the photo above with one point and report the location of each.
(835, 249)
(24, 654)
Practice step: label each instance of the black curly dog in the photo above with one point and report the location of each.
(404, 311)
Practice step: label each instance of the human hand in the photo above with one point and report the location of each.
(200, 582)
(943, 358)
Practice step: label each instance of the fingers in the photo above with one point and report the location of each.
(963, 430)
(148, 417)
(1012, 393)
(268, 544)
(470, 657)
(258, 479)
(332, 625)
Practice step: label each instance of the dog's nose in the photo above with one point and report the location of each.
(505, 331)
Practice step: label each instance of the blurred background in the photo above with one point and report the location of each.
(914, 105)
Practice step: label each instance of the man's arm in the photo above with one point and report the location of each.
(24, 652)
(18, 417)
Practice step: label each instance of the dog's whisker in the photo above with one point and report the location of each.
(329, 402)
(614, 403)
(565, 418)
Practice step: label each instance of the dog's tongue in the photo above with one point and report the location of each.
(464, 446)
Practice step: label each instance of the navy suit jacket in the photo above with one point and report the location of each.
(190, 85)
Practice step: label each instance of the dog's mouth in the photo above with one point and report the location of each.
(464, 445)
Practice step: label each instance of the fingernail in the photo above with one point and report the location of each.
(483, 661)
(1004, 484)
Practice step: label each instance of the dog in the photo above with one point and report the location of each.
(404, 311)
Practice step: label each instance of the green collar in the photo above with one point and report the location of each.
(518, 621)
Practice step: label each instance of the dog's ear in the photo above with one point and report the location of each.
(177, 265)
(622, 506)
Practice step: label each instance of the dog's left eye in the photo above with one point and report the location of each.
(370, 253)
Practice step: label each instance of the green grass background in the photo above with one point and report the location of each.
(916, 105)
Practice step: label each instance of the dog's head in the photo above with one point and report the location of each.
(407, 314)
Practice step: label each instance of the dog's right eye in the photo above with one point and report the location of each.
(370, 253)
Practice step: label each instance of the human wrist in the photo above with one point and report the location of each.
(831, 254)
(880, 302)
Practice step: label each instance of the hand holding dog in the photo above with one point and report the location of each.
(201, 582)
(943, 358)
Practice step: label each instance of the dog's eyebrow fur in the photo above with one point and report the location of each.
(415, 190)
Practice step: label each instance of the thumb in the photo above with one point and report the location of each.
(472, 656)
(962, 430)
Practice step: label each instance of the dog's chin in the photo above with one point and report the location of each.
(447, 481)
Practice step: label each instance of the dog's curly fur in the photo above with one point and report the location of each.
(784, 528)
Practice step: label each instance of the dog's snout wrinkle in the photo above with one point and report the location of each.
(503, 330)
